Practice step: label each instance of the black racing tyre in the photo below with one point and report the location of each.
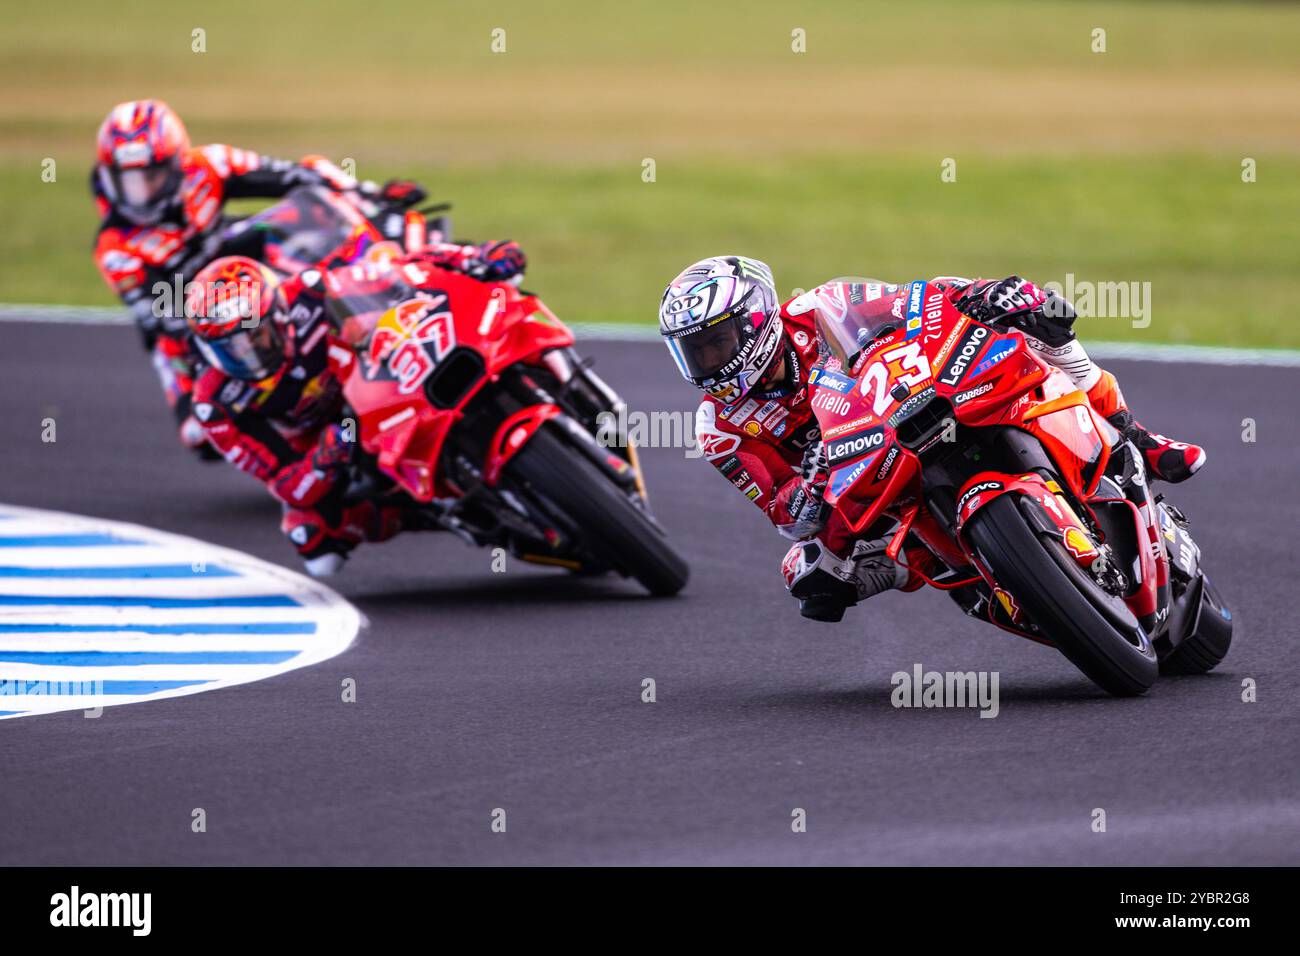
(610, 524)
(1208, 644)
(1090, 626)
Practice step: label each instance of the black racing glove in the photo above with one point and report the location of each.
(402, 193)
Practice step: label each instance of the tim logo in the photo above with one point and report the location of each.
(411, 339)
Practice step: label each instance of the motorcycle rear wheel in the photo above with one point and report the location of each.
(610, 524)
(1090, 626)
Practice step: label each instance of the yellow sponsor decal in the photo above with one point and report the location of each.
(1078, 544)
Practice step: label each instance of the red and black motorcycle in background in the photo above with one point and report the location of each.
(953, 434)
(472, 406)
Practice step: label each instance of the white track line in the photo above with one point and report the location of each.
(640, 332)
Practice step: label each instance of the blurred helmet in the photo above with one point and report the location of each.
(140, 147)
(237, 313)
(721, 321)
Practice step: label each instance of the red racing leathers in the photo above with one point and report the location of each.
(285, 430)
(134, 259)
(768, 443)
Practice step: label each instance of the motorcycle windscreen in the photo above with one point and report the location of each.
(850, 313)
(308, 224)
(355, 310)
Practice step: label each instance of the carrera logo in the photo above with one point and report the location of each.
(962, 397)
(973, 493)
(966, 351)
(854, 446)
(887, 464)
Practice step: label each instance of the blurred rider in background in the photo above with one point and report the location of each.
(160, 202)
(270, 399)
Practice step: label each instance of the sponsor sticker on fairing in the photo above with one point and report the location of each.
(849, 426)
(914, 296)
(949, 342)
(962, 397)
(841, 450)
(887, 465)
(824, 379)
(971, 497)
(1077, 543)
(964, 354)
(844, 478)
(911, 406)
(831, 402)
(995, 355)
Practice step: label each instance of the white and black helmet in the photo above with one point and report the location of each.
(721, 321)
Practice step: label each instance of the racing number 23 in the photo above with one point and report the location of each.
(875, 383)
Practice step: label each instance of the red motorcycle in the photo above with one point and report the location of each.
(313, 227)
(472, 407)
(952, 434)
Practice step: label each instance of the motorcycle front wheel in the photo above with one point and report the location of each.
(1093, 628)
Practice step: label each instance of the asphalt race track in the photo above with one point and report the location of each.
(522, 690)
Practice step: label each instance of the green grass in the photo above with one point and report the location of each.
(417, 79)
(1122, 166)
(1219, 253)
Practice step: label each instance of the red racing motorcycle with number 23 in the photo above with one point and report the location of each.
(952, 434)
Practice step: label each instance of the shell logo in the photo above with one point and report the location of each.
(1077, 543)
(1008, 603)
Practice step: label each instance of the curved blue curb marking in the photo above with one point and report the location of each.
(128, 600)
(61, 541)
(265, 627)
(97, 613)
(125, 571)
(119, 658)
